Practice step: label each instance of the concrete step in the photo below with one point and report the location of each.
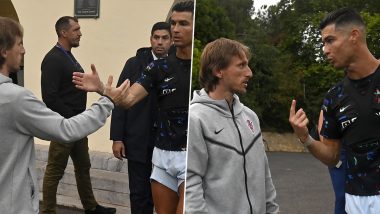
(109, 179)
(108, 187)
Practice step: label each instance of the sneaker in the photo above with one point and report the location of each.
(101, 210)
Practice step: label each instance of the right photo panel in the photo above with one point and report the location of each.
(285, 107)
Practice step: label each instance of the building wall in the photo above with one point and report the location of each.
(108, 41)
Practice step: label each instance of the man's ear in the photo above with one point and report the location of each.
(63, 33)
(355, 35)
(217, 73)
(3, 53)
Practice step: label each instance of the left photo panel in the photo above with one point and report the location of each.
(94, 105)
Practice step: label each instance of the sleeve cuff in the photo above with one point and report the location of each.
(110, 99)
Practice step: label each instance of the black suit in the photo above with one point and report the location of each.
(135, 127)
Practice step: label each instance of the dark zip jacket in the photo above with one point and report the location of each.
(135, 126)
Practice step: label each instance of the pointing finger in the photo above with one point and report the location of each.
(292, 109)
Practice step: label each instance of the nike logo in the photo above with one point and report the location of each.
(217, 132)
(343, 108)
(168, 79)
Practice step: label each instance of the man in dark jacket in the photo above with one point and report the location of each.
(132, 130)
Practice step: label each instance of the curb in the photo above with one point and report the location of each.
(284, 142)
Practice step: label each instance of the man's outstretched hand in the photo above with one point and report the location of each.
(116, 94)
(298, 120)
(91, 82)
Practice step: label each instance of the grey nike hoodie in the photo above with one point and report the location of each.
(23, 116)
(227, 168)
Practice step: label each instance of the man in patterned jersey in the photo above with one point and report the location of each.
(351, 111)
(171, 79)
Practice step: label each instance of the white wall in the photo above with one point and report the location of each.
(122, 28)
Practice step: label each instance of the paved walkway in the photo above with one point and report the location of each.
(302, 183)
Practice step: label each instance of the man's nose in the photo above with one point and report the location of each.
(175, 27)
(326, 50)
(250, 73)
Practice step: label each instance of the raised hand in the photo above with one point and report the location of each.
(91, 82)
(298, 120)
(88, 81)
(116, 94)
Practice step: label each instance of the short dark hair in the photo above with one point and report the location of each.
(63, 23)
(9, 30)
(184, 6)
(161, 26)
(216, 56)
(341, 18)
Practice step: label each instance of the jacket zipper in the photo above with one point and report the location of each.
(244, 159)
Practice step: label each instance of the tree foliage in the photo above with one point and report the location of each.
(212, 22)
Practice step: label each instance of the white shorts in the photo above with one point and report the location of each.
(362, 204)
(169, 168)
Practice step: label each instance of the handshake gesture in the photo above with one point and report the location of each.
(90, 82)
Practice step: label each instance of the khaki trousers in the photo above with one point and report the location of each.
(57, 161)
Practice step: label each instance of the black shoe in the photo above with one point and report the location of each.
(101, 210)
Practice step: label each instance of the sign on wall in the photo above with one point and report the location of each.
(86, 8)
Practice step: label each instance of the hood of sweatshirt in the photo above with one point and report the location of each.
(201, 97)
(5, 79)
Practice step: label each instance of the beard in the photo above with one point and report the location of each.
(239, 91)
(74, 44)
(14, 69)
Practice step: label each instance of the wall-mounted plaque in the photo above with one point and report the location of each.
(86, 8)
